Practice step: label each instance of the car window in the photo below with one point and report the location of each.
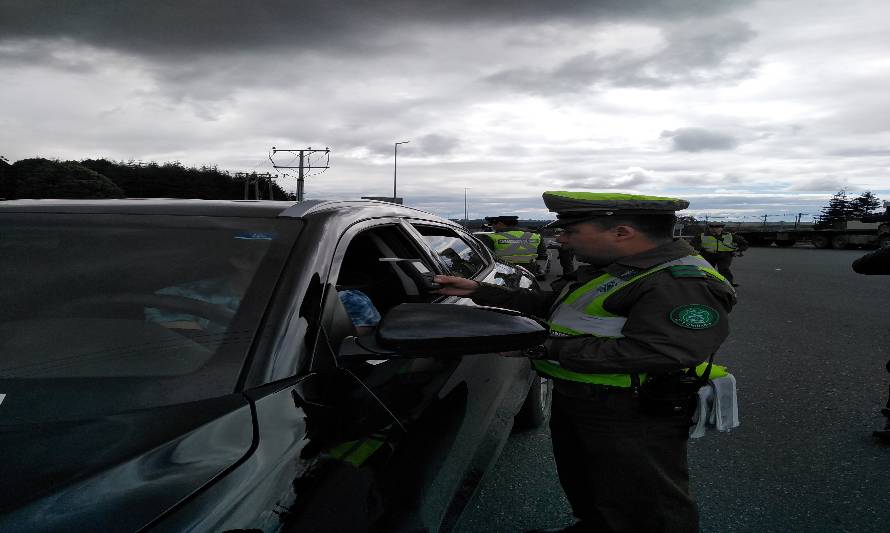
(381, 267)
(456, 253)
(386, 265)
(150, 310)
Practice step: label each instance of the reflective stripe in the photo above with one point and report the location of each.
(717, 371)
(516, 246)
(552, 368)
(356, 452)
(581, 312)
(710, 243)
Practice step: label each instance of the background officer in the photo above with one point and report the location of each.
(719, 247)
(640, 311)
(514, 245)
(877, 262)
(566, 258)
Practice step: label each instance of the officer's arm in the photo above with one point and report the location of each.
(671, 324)
(542, 248)
(877, 262)
(524, 300)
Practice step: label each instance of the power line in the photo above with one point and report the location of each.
(305, 166)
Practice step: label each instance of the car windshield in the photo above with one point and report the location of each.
(104, 313)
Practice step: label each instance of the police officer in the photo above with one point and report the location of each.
(640, 311)
(877, 262)
(566, 259)
(719, 247)
(514, 245)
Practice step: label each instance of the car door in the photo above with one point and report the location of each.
(495, 384)
(396, 419)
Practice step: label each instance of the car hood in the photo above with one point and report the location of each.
(117, 473)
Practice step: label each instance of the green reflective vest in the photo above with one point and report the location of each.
(581, 312)
(517, 247)
(710, 243)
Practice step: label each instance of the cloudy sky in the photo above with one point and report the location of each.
(745, 108)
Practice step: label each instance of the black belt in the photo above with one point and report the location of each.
(578, 389)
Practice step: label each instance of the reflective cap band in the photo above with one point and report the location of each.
(578, 204)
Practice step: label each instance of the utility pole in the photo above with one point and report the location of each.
(395, 157)
(466, 213)
(764, 218)
(797, 222)
(254, 179)
(305, 166)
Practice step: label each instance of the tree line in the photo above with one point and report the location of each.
(842, 208)
(101, 178)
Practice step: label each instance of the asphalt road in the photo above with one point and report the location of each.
(809, 342)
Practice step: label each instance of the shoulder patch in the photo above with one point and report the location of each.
(687, 271)
(695, 316)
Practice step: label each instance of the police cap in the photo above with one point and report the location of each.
(574, 207)
(510, 220)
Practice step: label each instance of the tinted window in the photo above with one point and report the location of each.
(140, 311)
(457, 254)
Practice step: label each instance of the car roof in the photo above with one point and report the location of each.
(235, 208)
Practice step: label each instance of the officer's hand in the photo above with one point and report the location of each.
(455, 286)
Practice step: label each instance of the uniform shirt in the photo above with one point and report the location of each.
(740, 242)
(877, 262)
(542, 246)
(652, 342)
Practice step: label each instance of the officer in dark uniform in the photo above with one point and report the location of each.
(877, 262)
(514, 245)
(566, 259)
(641, 310)
(719, 247)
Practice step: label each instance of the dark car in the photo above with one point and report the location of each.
(189, 365)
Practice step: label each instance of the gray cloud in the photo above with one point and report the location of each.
(822, 184)
(693, 54)
(56, 56)
(631, 178)
(861, 152)
(168, 27)
(699, 139)
(435, 144)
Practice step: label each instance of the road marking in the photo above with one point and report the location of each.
(2, 397)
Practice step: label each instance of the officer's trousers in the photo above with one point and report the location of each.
(622, 470)
(721, 262)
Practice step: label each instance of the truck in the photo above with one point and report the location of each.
(867, 231)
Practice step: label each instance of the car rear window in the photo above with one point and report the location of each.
(132, 311)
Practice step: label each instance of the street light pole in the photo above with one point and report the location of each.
(395, 157)
(466, 213)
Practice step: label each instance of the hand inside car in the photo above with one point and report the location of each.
(455, 286)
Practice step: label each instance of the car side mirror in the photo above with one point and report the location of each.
(446, 330)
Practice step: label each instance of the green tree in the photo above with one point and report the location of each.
(837, 212)
(864, 204)
(7, 182)
(173, 180)
(42, 178)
